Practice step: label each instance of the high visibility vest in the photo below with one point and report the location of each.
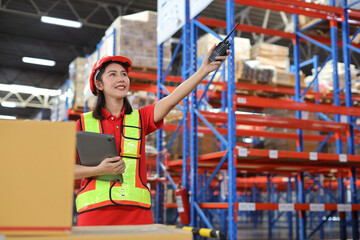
(132, 192)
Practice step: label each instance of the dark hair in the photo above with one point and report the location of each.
(100, 103)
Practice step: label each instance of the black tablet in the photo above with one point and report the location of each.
(93, 148)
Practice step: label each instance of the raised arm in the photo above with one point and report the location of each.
(164, 106)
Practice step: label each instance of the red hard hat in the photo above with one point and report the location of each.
(97, 66)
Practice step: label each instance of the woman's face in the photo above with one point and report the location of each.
(115, 81)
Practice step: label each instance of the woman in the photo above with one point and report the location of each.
(128, 203)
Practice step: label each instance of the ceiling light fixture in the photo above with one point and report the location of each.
(61, 22)
(38, 61)
(9, 104)
(29, 90)
(7, 117)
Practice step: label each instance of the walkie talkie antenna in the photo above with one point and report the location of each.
(230, 32)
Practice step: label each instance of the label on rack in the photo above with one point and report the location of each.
(242, 152)
(179, 204)
(241, 100)
(344, 207)
(342, 157)
(313, 156)
(247, 206)
(286, 207)
(273, 154)
(317, 207)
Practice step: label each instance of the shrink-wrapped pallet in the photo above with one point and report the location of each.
(134, 36)
(253, 72)
(326, 79)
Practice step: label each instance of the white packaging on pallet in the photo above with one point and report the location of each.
(325, 77)
(337, 3)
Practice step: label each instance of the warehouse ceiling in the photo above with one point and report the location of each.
(23, 34)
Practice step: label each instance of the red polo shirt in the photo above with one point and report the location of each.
(122, 215)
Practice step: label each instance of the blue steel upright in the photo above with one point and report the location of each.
(159, 133)
(301, 199)
(230, 22)
(341, 199)
(336, 97)
(289, 214)
(336, 93)
(350, 119)
(185, 75)
(193, 128)
(348, 94)
(296, 44)
(354, 200)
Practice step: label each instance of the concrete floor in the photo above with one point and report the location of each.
(247, 231)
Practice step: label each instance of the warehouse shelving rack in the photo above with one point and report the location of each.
(270, 160)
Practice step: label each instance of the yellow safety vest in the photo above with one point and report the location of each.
(132, 192)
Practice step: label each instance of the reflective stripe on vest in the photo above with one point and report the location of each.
(132, 191)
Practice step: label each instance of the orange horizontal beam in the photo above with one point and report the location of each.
(261, 157)
(247, 28)
(272, 206)
(291, 105)
(293, 7)
(178, 79)
(261, 133)
(259, 120)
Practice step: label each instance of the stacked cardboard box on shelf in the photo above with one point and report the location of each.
(276, 56)
(269, 64)
(271, 54)
(61, 103)
(134, 36)
(90, 60)
(77, 78)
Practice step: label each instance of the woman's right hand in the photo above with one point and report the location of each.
(114, 165)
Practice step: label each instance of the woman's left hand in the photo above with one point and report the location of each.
(209, 66)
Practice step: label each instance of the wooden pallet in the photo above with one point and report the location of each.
(144, 69)
(252, 81)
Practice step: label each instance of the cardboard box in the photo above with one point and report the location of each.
(284, 78)
(36, 177)
(134, 232)
(269, 50)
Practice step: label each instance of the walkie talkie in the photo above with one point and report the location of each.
(222, 47)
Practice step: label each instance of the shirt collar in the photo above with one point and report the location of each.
(108, 115)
